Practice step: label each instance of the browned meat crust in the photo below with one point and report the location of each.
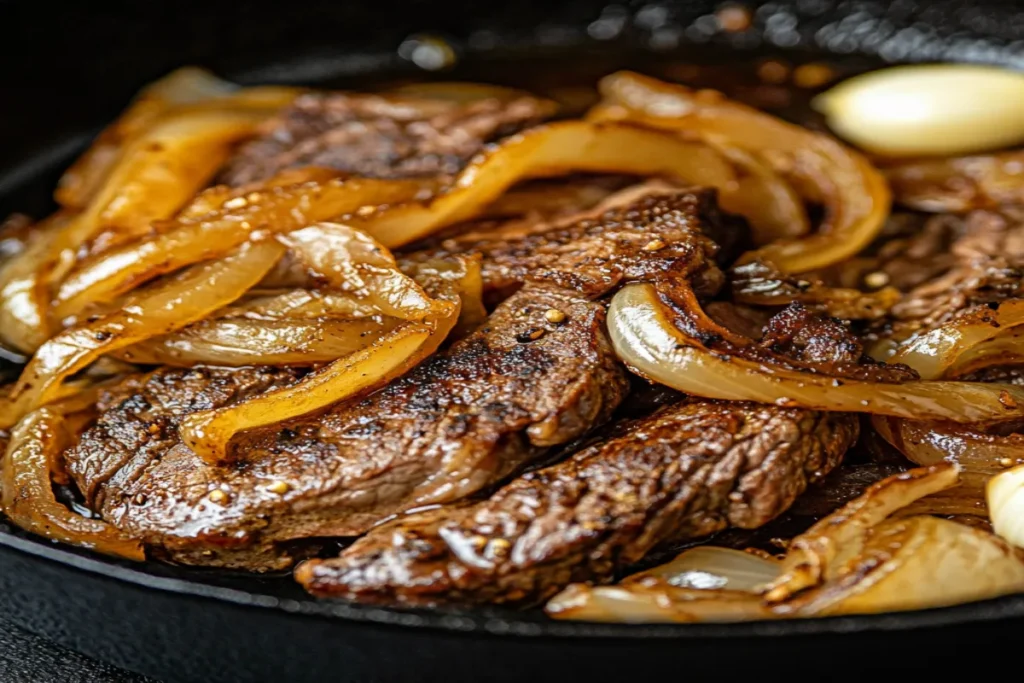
(641, 233)
(953, 265)
(687, 471)
(461, 421)
(380, 137)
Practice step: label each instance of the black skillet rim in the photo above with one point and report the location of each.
(470, 622)
(955, 47)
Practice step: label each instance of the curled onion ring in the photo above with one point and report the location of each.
(645, 338)
(27, 494)
(823, 170)
(150, 312)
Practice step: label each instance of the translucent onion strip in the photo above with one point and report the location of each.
(646, 340)
(1006, 348)
(980, 456)
(209, 433)
(934, 352)
(773, 208)
(856, 195)
(709, 567)
(187, 85)
(237, 342)
(277, 210)
(150, 312)
(27, 494)
(856, 560)
(350, 261)
(24, 299)
(554, 149)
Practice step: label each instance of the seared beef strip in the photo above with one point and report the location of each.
(459, 422)
(378, 136)
(687, 471)
(641, 233)
(955, 265)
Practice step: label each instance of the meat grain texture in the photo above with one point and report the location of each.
(461, 421)
(687, 471)
(377, 136)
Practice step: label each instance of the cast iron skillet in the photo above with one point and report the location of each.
(69, 67)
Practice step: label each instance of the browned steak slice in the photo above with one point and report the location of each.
(689, 470)
(641, 233)
(378, 136)
(459, 422)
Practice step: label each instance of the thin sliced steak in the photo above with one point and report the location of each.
(461, 421)
(379, 136)
(689, 470)
(644, 232)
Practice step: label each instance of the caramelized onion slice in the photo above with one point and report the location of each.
(1005, 349)
(209, 433)
(24, 298)
(817, 554)
(188, 241)
(646, 340)
(187, 85)
(27, 494)
(158, 171)
(823, 170)
(350, 261)
(654, 602)
(853, 561)
(934, 352)
(979, 456)
(553, 149)
(1005, 496)
(709, 567)
(770, 204)
(237, 342)
(150, 312)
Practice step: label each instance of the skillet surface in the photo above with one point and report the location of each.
(78, 63)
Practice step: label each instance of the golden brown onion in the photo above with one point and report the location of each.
(351, 262)
(27, 496)
(852, 561)
(184, 242)
(172, 156)
(980, 456)
(183, 86)
(823, 170)
(149, 312)
(934, 352)
(770, 204)
(645, 339)
(553, 149)
(209, 433)
(815, 555)
(237, 342)
(348, 261)
(24, 299)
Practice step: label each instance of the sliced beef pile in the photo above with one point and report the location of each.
(646, 232)
(459, 422)
(380, 137)
(687, 471)
(953, 265)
